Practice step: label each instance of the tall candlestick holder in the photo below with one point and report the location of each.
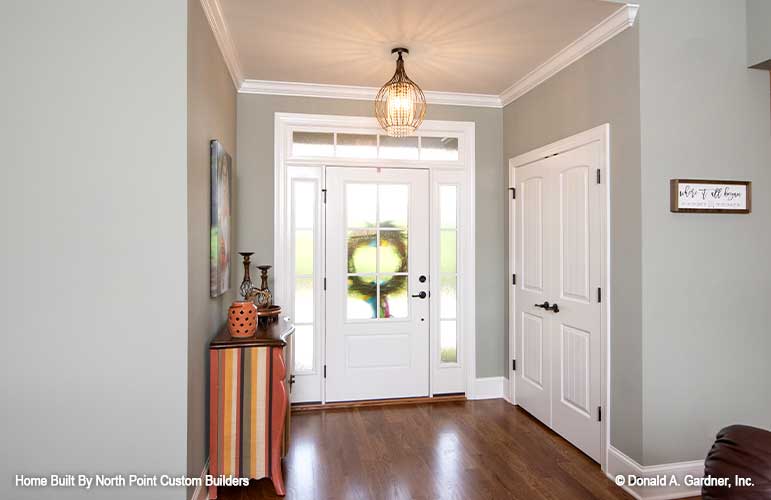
(262, 297)
(267, 312)
(246, 284)
(264, 285)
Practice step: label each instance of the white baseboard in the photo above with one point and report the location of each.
(507, 391)
(489, 388)
(620, 464)
(202, 492)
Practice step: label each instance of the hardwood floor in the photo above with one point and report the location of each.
(455, 450)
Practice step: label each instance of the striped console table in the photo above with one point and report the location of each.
(249, 405)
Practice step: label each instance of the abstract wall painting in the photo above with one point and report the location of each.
(221, 221)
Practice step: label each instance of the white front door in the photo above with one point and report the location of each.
(377, 266)
(558, 315)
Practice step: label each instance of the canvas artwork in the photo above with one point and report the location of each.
(220, 232)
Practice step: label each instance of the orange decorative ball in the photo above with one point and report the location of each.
(242, 319)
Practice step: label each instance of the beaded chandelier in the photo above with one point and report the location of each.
(400, 105)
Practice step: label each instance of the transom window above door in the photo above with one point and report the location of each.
(377, 239)
(373, 146)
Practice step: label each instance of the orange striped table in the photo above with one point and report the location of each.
(249, 405)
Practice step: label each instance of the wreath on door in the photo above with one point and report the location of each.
(365, 287)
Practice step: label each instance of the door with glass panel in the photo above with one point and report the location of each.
(377, 267)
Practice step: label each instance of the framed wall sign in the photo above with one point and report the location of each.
(710, 197)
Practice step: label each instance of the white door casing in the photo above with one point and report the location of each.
(289, 167)
(559, 252)
(386, 356)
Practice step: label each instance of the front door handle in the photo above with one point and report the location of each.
(421, 295)
(553, 307)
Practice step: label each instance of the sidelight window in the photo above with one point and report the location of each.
(304, 200)
(448, 273)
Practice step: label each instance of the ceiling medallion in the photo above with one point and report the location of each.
(400, 104)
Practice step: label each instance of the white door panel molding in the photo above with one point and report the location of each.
(559, 304)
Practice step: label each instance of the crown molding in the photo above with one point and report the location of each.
(360, 93)
(611, 26)
(219, 27)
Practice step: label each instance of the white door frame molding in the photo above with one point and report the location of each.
(599, 134)
(461, 172)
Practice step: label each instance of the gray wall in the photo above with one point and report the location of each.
(759, 33)
(602, 87)
(211, 107)
(255, 228)
(94, 253)
(706, 278)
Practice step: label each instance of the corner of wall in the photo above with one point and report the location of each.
(704, 115)
(211, 114)
(602, 87)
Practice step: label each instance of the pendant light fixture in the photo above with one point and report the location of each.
(400, 105)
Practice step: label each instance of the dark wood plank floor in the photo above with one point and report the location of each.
(459, 450)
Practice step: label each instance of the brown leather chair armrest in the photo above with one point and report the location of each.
(743, 451)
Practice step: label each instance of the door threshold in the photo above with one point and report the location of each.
(370, 403)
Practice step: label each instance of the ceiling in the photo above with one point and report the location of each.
(465, 46)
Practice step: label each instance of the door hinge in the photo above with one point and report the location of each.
(514, 365)
(598, 176)
(513, 279)
(599, 413)
(599, 295)
(324, 195)
(325, 284)
(325, 371)
(513, 193)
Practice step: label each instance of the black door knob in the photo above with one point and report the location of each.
(421, 295)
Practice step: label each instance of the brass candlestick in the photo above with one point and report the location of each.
(262, 297)
(246, 284)
(266, 296)
(250, 292)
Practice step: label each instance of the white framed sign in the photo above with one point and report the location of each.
(710, 197)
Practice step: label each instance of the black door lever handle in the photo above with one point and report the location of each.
(421, 295)
(549, 307)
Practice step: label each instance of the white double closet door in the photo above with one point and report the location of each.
(558, 257)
